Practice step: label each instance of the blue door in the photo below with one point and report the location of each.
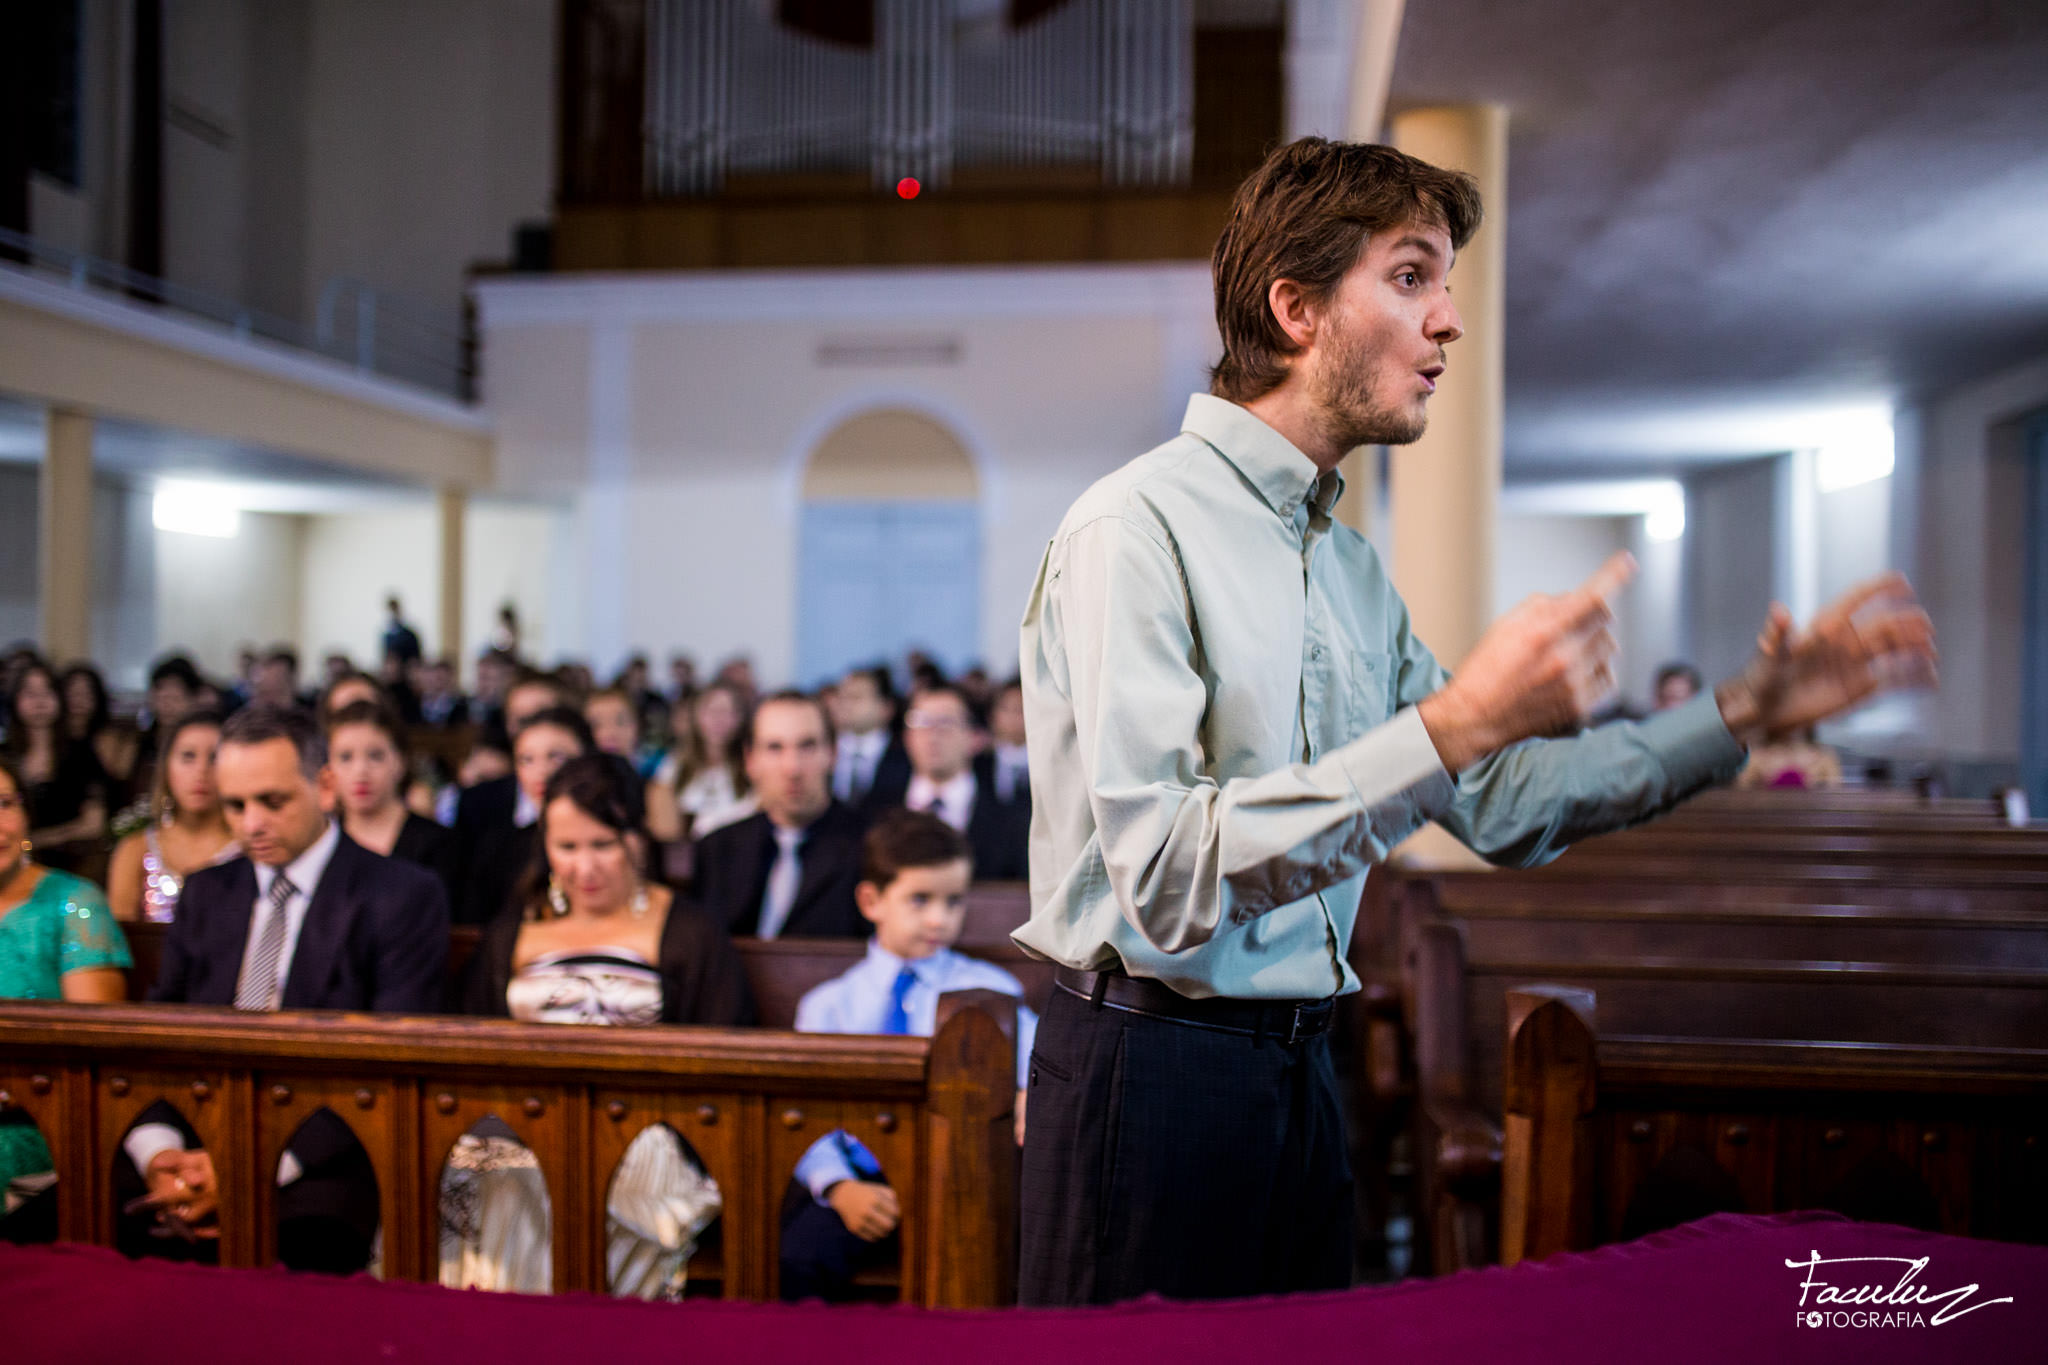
(879, 578)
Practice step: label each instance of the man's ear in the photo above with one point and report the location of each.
(1295, 312)
(324, 788)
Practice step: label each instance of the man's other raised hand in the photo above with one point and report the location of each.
(1873, 639)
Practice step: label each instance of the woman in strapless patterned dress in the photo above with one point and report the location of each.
(590, 940)
(187, 831)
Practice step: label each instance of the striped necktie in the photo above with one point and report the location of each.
(257, 988)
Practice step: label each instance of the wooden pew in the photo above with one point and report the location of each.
(937, 1113)
(1603, 1132)
(1842, 972)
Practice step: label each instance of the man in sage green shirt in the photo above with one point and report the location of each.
(1231, 721)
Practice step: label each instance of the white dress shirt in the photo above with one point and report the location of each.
(953, 803)
(857, 1001)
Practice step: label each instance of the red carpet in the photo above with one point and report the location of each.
(1716, 1292)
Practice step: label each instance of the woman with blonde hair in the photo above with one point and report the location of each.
(187, 829)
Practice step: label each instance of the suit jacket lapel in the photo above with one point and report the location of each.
(325, 932)
(818, 864)
(231, 926)
(760, 862)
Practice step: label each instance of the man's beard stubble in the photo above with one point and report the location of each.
(1342, 390)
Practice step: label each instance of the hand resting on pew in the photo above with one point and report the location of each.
(184, 1192)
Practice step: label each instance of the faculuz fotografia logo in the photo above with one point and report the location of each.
(1880, 1292)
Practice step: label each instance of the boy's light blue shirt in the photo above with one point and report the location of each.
(857, 1001)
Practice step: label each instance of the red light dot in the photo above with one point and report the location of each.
(907, 188)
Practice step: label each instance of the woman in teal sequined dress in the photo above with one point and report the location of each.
(58, 941)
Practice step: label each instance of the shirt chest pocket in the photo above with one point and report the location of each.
(1369, 689)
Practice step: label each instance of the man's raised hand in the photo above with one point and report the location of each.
(1542, 669)
(1873, 639)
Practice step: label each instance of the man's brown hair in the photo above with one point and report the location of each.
(904, 839)
(1304, 216)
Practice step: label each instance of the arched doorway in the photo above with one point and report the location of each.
(891, 549)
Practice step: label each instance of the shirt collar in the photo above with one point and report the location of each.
(886, 964)
(304, 870)
(1284, 476)
(524, 811)
(952, 795)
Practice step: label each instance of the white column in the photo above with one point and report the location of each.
(1446, 487)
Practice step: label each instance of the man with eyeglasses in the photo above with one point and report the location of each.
(943, 737)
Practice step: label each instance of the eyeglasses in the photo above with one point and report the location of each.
(12, 803)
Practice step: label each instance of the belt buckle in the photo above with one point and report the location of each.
(1294, 1030)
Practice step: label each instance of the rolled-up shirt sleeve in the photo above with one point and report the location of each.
(1187, 856)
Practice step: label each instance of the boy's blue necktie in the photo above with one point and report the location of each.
(897, 1020)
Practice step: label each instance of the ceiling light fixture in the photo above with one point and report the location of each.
(1858, 454)
(195, 510)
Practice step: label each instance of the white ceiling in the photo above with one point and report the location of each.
(1728, 218)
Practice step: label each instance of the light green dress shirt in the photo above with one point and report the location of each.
(1219, 691)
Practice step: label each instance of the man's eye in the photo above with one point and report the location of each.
(1409, 278)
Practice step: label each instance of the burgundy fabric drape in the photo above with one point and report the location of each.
(1715, 1291)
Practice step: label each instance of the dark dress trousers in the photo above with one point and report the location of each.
(702, 979)
(375, 937)
(732, 866)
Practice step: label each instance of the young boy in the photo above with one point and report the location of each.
(913, 889)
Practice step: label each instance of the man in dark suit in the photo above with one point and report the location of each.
(870, 769)
(487, 814)
(306, 919)
(790, 870)
(941, 735)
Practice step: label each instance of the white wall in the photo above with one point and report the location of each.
(215, 595)
(512, 553)
(1967, 545)
(675, 414)
(1732, 561)
(1556, 553)
(352, 562)
(124, 605)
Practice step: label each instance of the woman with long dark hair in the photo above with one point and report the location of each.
(61, 780)
(187, 829)
(594, 939)
(89, 719)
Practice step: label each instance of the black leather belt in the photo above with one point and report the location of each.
(1284, 1021)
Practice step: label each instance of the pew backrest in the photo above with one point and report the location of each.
(1602, 1131)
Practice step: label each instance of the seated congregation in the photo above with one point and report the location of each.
(285, 866)
(1772, 1000)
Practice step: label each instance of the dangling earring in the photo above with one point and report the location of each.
(639, 900)
(558, 899)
